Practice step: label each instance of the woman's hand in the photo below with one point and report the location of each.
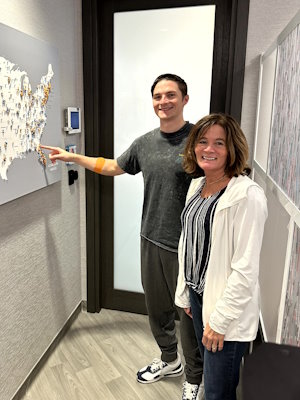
(212, 340)
(188, 311)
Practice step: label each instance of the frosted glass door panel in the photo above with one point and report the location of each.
(148, 44)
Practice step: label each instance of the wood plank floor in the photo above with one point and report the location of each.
(98, 359)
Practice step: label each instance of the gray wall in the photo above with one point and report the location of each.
(42, 234)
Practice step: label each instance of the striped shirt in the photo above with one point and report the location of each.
(196, 219)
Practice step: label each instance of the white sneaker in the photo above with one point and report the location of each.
(189, 391)
(159, 369)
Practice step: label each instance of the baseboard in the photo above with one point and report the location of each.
(35, 370)
(84, 305)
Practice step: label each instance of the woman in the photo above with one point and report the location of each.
(219, 248)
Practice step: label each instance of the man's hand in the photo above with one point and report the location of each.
(56, 153)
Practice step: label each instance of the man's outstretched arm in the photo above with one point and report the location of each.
(100, 165)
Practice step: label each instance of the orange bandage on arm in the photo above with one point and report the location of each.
(99, 165)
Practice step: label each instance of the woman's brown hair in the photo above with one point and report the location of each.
(236, 144)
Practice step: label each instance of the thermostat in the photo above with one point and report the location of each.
(72, 120)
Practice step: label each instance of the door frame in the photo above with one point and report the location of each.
(226, 96)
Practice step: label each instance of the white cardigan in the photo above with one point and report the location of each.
(231, 294)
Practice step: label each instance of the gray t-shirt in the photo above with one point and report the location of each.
(159, 156)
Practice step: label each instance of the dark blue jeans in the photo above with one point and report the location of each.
(221, 369)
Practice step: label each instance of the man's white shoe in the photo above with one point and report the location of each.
(193, 392)
(189, 391)
(159, 369)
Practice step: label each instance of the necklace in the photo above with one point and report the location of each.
(218, 180)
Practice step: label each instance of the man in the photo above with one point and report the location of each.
(158, 155)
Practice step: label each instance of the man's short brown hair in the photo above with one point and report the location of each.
(171, 77)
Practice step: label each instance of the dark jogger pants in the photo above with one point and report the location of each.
(159, 279)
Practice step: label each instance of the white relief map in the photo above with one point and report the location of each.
(22, 114)
(30, 113)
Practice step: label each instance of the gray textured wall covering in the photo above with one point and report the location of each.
(42, 235)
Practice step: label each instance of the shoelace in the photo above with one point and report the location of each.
(190, 391)
(156, 365)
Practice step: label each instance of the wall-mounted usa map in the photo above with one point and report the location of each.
(23, 114)
(29, 113)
